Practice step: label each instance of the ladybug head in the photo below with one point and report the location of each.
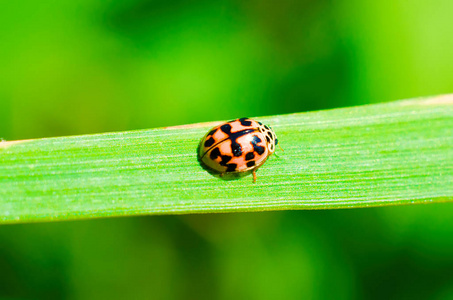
(271, 137)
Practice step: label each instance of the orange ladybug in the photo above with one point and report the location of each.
(237, 146)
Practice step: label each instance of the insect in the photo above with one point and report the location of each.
(237, 147)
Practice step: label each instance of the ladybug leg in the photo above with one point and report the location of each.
(254, 176)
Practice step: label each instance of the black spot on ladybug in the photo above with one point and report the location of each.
(214, 153)
(267, 127)
(245, 122)
(260, 123)
(235, 135)
(255, 140)
(231, 167)
(250, 163)
(209, 142)
(226, 128)
(212, 131)
(258, 149)
(249, 156)
(270, 135)
(268, 139)
(276, 141)
(236, 149)
(225, 160)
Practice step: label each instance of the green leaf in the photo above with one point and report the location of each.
(386, 154)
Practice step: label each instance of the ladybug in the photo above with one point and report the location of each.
(237, 147)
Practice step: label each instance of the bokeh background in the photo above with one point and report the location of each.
(80, 67)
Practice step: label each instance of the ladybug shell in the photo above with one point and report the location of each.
(235, 146)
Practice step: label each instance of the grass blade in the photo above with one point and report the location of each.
(385, 154)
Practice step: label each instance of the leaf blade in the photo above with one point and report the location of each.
(386, 154)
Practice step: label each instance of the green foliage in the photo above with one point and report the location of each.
(80, 67)
(387, 154)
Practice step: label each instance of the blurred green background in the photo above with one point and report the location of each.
(80, 67)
